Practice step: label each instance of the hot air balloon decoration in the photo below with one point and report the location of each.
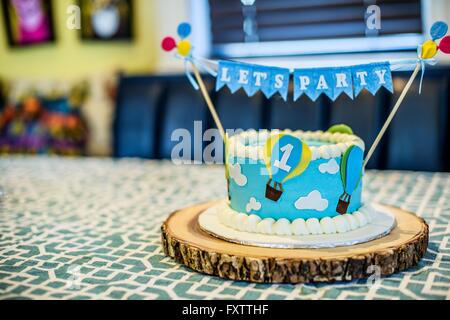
(351, 173)
(285, 157)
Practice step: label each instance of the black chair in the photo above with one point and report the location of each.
(150, 108)
(182, 109)
(302, 114)
(136, 120)
(365, 115)
(238, 111)
(417, 133)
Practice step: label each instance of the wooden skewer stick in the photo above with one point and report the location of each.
(392, 114)
(211, 107)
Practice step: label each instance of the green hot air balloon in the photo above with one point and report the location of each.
(351, 173)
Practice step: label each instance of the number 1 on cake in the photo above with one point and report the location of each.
(287, 149)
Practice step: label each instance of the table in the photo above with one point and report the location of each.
(89, 228)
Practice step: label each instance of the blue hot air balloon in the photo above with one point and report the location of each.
(351, 173)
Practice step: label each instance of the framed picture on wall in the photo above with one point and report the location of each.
(106, 20)
(28, 22)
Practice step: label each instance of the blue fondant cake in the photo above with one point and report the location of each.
(291, 176)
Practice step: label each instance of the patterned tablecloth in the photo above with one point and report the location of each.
(90, 229)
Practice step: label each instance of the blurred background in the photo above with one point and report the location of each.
(89, 77)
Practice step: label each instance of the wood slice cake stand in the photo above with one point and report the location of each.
(183, 240)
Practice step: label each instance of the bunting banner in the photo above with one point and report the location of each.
(312, 82)
(253, 78)
(336, 80)
(331, 81)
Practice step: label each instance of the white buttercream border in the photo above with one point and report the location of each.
(238, 144)
(253, 223)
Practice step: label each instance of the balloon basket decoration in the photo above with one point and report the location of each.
(274, 193)
(196, 237)
(344, 202)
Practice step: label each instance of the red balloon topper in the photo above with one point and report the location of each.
(168, 44)
(444, 45)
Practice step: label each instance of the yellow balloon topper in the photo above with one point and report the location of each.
(184, 48)
(429, 49)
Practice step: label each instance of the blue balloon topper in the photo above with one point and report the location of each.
(353, 168)
(184, 30)
(438, 30)
(286, 154)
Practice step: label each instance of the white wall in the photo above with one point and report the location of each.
(169, 13)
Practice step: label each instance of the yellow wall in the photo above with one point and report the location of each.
(69, 57)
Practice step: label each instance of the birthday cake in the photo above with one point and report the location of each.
(297, 189)
(294, 182)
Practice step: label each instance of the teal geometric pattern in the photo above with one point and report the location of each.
(90, 229)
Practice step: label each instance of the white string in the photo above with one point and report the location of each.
(190, 60)
(396, 65)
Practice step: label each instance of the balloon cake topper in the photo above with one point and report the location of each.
(430, 48)
(185, 52)
(184, 45)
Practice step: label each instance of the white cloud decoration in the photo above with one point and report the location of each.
(312, 201)
(253, 204)
(236, 174)
(330, 167)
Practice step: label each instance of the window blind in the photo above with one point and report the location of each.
(293, 20)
